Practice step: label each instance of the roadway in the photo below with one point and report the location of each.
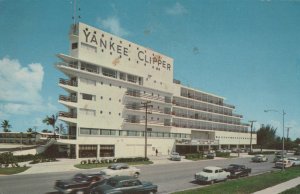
(169, 177)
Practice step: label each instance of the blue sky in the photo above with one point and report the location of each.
(246, 51)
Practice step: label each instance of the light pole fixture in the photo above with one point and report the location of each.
(251, 134)
(146, 105)
(283, 113)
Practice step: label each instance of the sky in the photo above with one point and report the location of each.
(245, 51)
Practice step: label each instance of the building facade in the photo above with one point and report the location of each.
(110, 81)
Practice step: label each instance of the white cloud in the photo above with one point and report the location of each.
(176, 9)
(113, 25)
(20, 84)
(20, 88)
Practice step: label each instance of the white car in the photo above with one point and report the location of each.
(175, 156)
(295, 161)
(286, 163)
(212, 174)
(121, 169)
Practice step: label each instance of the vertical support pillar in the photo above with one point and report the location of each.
(98, 151)
(77, 151)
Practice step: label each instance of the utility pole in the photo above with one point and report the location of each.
(146, 105)
(288, 130)
(251, 134)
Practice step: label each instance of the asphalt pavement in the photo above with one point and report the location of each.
(67, 165)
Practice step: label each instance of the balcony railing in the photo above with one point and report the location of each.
(75, 66)
(67, 114)
(68, 98)
(149, 122)
(68, 82)
(67, 137)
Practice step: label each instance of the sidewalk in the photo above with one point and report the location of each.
(280, 187)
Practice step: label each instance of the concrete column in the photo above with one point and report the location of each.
(229, 146)
(77, 150)
(98, 151)
(220, 146)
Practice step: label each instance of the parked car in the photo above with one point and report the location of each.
(80, 183)
(121, 169)
(212, 174)
(285, 162)
(210, 155)
(175, 156)
(297, 152)
(124, 184)
(259, 158)
(295, 161)
(237, 170)
(278, 157)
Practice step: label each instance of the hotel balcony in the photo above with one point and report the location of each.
(71, 82)
(70, 101)
(68, 98)
(138, 107)
(149, 122)
(67, 116)
(147, 96)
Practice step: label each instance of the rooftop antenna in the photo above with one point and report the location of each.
(75, 17)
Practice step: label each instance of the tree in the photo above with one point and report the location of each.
(61, 129)
(266, 136)
(5, 126)
(29, 134)
(51, 121)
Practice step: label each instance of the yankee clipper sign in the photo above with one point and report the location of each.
(104, 42)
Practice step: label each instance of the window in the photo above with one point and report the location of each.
(88, 96)
(87, 112)
(107, 150)
(109, 72)
(74, 45)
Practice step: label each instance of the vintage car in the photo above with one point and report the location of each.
(237, 170)
(175, 156)
(121, 169)
(285, 162)
(79, 184)
(259, 158)
(295, 161)
(210, 155)
(278, 157)
(124, 184)
(212, 174)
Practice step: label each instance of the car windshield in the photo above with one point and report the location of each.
(233, 166)
(207, 170)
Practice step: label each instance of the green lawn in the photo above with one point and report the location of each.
(15, 170)
(248, 184)
(89, 166)
(295, 190)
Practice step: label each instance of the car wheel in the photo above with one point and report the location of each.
(136, 175)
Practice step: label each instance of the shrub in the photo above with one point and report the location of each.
(222, 154)
(83, 162)
(263, 152)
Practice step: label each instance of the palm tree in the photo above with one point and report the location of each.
(51, 121)
(29, 134)
(5, 125)
(60, 129)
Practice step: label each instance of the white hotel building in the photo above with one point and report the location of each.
(108, 78)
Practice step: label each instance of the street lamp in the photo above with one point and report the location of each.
(283, 113)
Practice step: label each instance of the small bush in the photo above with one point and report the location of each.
(263, 152)
(223, 154)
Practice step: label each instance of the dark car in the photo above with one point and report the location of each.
(237, 170)
(79, 184)
(124, 185)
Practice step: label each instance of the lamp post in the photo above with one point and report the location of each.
(146, 105)
(251, 134)
(283, 113)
